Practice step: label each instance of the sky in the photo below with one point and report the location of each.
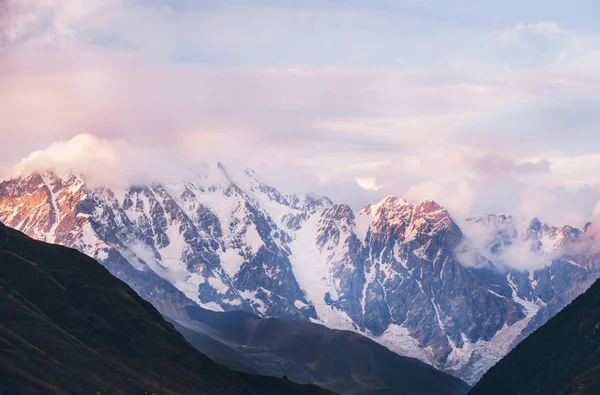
(482, 106)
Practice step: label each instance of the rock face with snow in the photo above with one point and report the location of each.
(406, 275)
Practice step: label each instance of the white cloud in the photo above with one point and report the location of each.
(104, 162)
(56, 22)
(547, 29)
(517, 255)
(521, 32)
(368, 183)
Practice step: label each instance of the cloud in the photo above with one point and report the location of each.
(458, 197)
(552, 205)
(591, 240)
(495, 166)
(325, 127)
(547, 44)
(519, 254)
(521, 32)
(326, 118)
(547, 29)
(368, 183)
(314, 98)
(541, 166)
(103, 162)
(55, 22)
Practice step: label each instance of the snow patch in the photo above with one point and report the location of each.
(211, 306)
(218, 285)
(311, 270)
(252, 240)
(300, 304)
(363, 223)
(231, 261)
(51, 236)
(254, 301)
(398, 339)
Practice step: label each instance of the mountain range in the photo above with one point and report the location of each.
(411, 277)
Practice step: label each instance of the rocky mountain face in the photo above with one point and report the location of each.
(409, 276)
(560, 358)
(67, 326)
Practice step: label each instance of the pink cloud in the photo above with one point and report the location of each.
(327, 124)
(496, 166)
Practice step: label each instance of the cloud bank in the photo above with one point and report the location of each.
(496, 115)
(116, 164)
(105, 163)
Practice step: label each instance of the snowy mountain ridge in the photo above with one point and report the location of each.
(393, 271)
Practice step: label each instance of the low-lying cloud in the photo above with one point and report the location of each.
(513, 251)
(103, 162)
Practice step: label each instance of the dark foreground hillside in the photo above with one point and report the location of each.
(67, 326)
(345, 362)
(560, 358)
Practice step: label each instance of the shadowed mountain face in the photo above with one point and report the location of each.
(345, 362)
(67, 326)
(560, 358)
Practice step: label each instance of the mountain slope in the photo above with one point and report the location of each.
(409, 276)
(218, 351)
(68, 326)
(345, 362)
(562, 357)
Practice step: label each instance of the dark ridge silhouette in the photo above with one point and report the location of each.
(560, 358)
(67, 326)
